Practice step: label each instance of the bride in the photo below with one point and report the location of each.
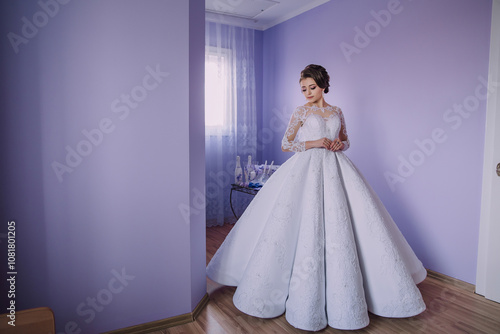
(316, 243)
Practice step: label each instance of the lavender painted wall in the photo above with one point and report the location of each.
(197, 150)
(104, 244)
(398, 82)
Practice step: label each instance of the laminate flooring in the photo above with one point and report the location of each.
(452, 307)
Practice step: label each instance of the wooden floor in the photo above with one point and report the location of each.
(452, 307)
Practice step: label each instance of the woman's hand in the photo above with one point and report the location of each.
(319, 143)
(331, 145)
(336, 145)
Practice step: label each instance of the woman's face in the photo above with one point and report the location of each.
(311, 90)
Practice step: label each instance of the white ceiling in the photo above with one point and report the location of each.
(256, 14)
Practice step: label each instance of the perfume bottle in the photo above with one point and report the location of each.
(238, 172)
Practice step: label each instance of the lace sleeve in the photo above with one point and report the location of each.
(343, 132)
(288, 143)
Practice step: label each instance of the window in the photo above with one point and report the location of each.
(218, 89)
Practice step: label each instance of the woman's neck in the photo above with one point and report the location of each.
(320, 103)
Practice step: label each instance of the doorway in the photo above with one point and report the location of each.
(488, 266)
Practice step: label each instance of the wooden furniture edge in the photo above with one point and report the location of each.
(165, 323)
(29, 319)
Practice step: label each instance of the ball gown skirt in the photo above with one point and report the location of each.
(317, 244)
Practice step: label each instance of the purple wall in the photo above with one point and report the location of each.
(405, 74)
(197, 150)
(103, 158)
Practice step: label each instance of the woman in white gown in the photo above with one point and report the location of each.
(316, 243)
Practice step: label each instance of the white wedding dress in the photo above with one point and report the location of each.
(316, 242)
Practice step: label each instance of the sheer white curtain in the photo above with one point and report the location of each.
(230, 120)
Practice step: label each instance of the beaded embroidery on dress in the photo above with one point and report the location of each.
(316, 242)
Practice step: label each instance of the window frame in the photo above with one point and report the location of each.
(228, 113)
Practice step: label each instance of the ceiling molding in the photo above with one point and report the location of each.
(274, 12)
(287, 16)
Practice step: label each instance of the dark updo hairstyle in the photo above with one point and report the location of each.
(318, 73)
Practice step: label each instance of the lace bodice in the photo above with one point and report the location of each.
(312, 123)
